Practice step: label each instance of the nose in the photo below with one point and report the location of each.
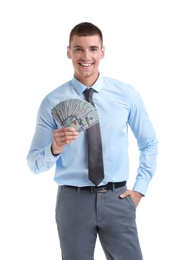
(85, 55)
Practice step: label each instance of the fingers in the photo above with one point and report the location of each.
(64, 136)
(136, 196)
(125, 194)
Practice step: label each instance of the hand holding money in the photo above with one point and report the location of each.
(62, 137)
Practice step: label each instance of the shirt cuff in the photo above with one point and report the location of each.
(140, 186)
(49, 155)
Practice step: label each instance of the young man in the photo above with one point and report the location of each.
(83, 209)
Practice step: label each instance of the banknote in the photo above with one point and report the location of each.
(75, 113)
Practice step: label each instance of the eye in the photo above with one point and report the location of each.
(77, 49)
(94, 49)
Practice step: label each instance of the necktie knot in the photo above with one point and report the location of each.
(88, 94)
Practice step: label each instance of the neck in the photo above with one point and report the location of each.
(88, 81)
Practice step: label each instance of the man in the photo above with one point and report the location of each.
(84, 209)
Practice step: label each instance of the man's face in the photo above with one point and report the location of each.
(86, 53)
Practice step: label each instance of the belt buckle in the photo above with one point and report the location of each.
(100, 189)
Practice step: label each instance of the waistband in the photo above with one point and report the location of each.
(97, 189)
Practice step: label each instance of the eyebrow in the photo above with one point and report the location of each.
(78, 46)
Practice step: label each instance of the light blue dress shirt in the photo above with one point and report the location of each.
(119, 106)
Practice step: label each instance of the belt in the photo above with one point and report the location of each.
(103, 188)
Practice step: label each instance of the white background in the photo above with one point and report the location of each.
(149, 44)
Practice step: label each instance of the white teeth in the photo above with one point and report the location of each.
(86, 65)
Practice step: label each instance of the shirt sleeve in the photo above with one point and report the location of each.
(145, 135)
(40, 157)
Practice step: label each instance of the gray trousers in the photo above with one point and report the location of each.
(81, 215)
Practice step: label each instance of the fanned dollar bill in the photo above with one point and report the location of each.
(76, 113)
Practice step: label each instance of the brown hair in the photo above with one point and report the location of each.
(85, 29)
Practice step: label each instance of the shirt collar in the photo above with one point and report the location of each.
(79, 87)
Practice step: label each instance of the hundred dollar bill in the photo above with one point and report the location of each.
(76, 113)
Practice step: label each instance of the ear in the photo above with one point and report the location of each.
(68, 52)
(102, 52)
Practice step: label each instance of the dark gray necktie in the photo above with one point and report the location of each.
(95, 157)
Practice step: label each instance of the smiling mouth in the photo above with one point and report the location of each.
(85, 64)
